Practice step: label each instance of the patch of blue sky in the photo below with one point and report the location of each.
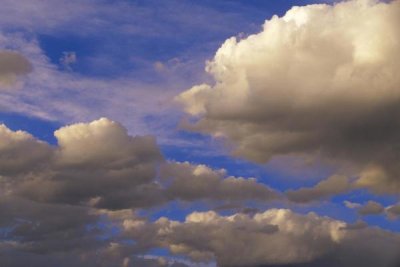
(41, 129)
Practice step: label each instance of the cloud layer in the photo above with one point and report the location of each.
(274, 237)
(78, 203)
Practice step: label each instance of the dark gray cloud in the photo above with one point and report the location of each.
(20, 152)
(190, 182)
(394, 210)
(334, 185)
(97, 164)
(61, 202)
(65, 203)
(371, 208)
(42, 228)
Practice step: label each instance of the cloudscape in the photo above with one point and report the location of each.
(205, 133)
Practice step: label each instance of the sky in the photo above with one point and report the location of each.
(183, 133)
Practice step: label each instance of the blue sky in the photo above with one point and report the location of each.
(133, 62)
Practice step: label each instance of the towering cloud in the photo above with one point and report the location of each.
(321, 81)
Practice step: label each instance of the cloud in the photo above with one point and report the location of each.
(274, 237)
(96, 163)
(192, 182)
(351, 205)
(115, 78)
(319, 82)
(370, 208)
(334, 185)
(68, 58)
(21, 152)
(12, 66)
(76, 203)
(46, 228)
(355, 226)
(393, 211)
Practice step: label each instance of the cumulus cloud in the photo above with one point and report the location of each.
(96, 163)
(21, 152)
(50, 195)
(75, 203)
(393, 211)
(274, 237)
(12, 65)
(191, 182)
(370, 208)
(320, 82)
(43, 228)
(334, 185)
(99, 164)
(351, 205)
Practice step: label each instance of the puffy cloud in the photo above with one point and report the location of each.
(96, 163)
(393, 211)
(334, 185)
(99, 164)
(274, 237)
(12, 65)
(351, 205)
(67, 201)
(103, 142)
(321, 81)
(193, 182)
(371, 207)
(21, 152)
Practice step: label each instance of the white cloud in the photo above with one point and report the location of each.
(270, 238)
(319, 82)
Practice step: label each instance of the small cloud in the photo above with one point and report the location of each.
(358, 225)
(351, 205)
(68, 58)
(371, 208)
(159, 66)
(393, 211)
(333, 185)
